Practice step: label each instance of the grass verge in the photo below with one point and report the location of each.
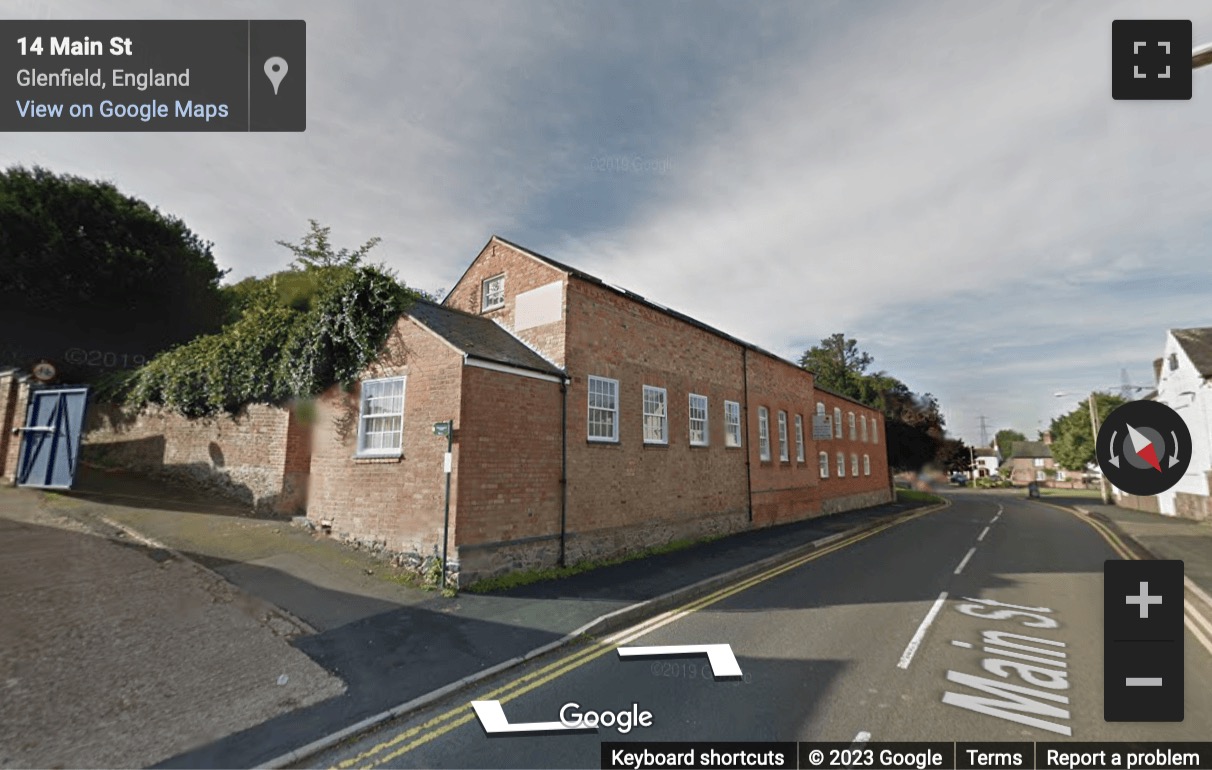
(526, 577)
(916, 496)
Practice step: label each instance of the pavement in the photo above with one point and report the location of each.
(395, 648)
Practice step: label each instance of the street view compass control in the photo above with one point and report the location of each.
(1144, 447)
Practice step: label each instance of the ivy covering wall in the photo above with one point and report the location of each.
(294, 335)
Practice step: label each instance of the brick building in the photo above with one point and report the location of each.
(588, 422)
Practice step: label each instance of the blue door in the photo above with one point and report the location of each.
(50, 440)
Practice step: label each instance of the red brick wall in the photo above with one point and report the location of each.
(656, 492)
(522, 273)
(839, 493)
(509, 495)
(243, 456)
(782, 491)
(396, 503)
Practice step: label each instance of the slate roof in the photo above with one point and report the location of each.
(1197, 343)
(984, 451)
(480, 337)
(1030, 449)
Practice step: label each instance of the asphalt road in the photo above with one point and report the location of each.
(855, 640)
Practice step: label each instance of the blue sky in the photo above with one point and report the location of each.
(950, 183)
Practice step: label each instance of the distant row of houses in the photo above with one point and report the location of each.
(1027, 461)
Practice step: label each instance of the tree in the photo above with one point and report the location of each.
(954, 456)
(315, 249)
(1005, 439)
(1073, 435)
(914, 423)
(837, 365)
(84, 267)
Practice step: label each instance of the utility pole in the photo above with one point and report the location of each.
(1102, 477)
(984, 432)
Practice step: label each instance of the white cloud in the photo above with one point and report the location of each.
(942, 181)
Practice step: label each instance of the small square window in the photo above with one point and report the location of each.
(493, 293)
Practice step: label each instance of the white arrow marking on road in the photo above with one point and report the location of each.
(492, 717)
(723, 662)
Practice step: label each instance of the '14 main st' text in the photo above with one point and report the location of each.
(142, 111)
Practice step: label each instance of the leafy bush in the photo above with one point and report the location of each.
(992, 482)
(296, 334)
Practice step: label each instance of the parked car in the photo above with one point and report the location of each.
(959, 479)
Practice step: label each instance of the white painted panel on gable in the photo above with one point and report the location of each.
(536, 307)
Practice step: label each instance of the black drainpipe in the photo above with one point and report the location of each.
(563, 466)
(748, 449)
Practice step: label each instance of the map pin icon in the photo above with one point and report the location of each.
(275, 70)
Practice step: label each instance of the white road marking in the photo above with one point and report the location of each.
(981, 536)
(964, 561)
(965, 645)
(998, 515)
(916, 641)
(1193, 620)
(862, 737)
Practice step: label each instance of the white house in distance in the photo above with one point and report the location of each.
(1184, 383)
(987, 461)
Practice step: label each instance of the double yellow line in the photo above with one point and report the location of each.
(1199, 626)
(414, 737)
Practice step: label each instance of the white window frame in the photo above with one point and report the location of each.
(854, 464)
(732, 423)
(363, 417)
(850, 422)
(863, 429)
(763, 434)
(837, 422)
(614, 412)
(1040, 476)
(874, 438)
(662, 414)
(866, 465)
(820, 408)
(822, 464)
(841, 465)
(484, 305)
(705, 421)
(1038, 462)
(799, 438)
(784, 450)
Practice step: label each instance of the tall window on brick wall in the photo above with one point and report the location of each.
(732, 423)
(866, 465)
(783, 436)
(763, 433)
(837, 422)
(656, 416)
(863, 418)
(874, 438)
(822, 460)
(854, 465)
(820, 408)
(850, 422)
(799, 438)
(381, 417)
(493, 293)
(603, 409)
(841, 465)
(698, 420)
